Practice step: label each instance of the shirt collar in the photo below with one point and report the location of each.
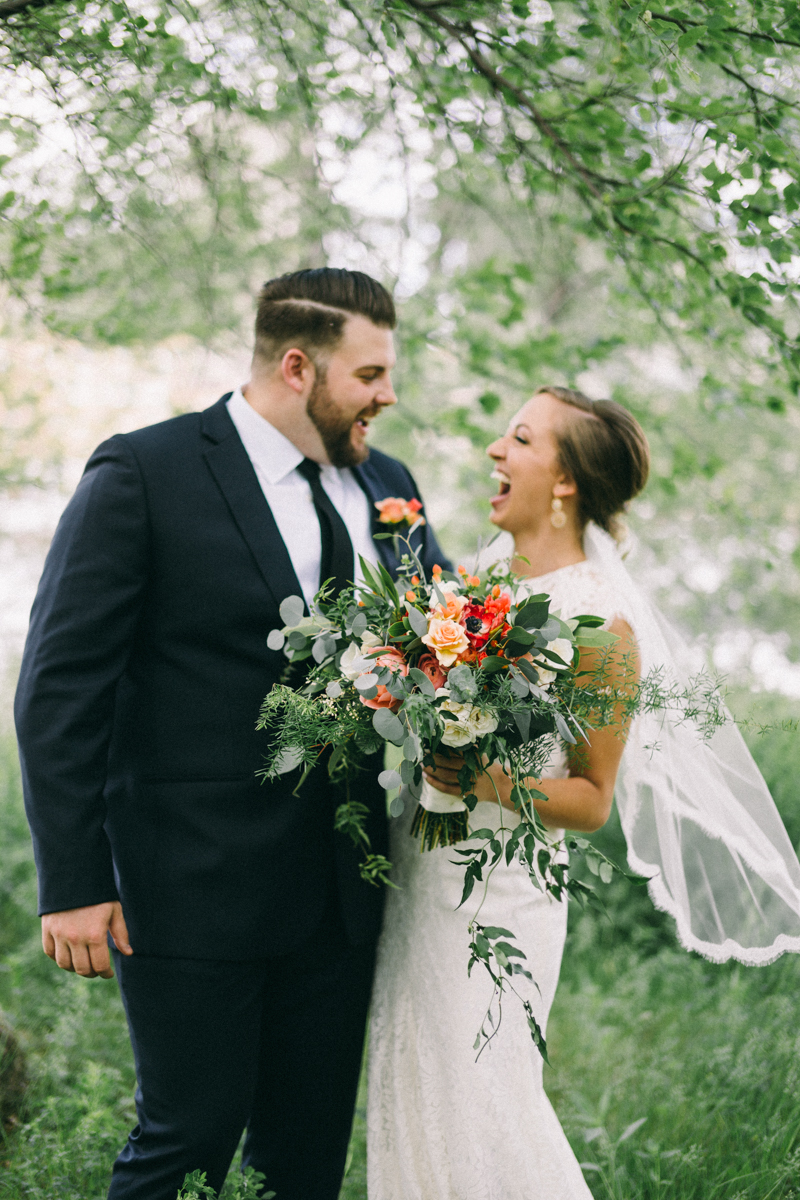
(271, 452)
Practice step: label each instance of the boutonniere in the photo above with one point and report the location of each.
(394, 510)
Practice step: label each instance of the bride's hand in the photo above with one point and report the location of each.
(444, 777)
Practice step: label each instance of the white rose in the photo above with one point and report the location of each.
(456, 735)
(352, 663)
(370, 640)
(470, 724)
(481, 722)
(548, 670)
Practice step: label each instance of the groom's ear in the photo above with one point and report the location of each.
(297, 369)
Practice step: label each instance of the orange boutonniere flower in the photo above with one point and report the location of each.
(394, 510)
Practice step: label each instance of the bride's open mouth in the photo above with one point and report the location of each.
(505, 485)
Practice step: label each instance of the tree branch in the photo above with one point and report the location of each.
(500, 84)
(685, 22)
(9, 8)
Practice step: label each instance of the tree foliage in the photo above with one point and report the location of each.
(668, 137)
(594, 186)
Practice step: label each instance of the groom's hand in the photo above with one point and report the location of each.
(76, 939)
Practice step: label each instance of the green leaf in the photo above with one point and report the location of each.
(389, 726)
(533, 613)
(416, 619)
(292, 610)
(422, 681)
(691, 37)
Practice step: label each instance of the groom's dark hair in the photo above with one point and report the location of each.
(309, 310)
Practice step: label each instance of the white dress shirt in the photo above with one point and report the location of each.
(288, 494)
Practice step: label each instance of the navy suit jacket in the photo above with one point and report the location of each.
(143, 673)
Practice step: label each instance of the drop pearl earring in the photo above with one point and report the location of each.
(558, 518)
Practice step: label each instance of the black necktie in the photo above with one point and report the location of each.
(337, 549)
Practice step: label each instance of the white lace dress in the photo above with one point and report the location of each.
(441, 1126)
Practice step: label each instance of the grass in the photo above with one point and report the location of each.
(673, 1077)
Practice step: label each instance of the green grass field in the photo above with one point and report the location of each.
(672, 1076)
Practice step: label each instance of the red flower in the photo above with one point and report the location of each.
(479, 622)
(497, 602)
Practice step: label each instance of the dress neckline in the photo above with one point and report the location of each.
(528, 579)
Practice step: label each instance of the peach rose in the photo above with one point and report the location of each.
(453, 607)
(394, 660)
(447, 639)
(429, 666)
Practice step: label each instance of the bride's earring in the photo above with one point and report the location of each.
(558, 518)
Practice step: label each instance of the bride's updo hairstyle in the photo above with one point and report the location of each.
(607, 457)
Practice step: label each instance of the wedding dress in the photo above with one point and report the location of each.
(699, 823)
(441, 1126)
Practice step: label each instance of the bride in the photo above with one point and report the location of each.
(698, 819)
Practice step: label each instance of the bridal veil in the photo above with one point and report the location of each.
(698, 818)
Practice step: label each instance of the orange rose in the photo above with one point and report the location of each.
(447, 640)
(394, 660)
(430, 666)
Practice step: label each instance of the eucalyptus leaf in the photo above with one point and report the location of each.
(365, 683)
(389, 779)
(422, 681)
(412, 748)
(551, 629)
(292, 610)
(416, 619)
(359, 625)
(275, 639)
(398, 805)
(564, 729)
(389, 726)
(323, 648)
(407, 769)
(462, 684)
(334, 690)
(522, 720)
(595, 637)
(520, 686)
(288, 760)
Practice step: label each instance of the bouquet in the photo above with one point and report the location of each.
(463, 662)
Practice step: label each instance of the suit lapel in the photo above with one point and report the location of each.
(235, 475)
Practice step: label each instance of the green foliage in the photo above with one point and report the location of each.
(668, 138)
(247, 1185)
(673, 1075)
(706, 1054)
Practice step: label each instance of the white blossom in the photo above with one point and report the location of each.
(353, 663)
(470, 722)
(548, 670)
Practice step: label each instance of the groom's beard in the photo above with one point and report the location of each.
(334, 428)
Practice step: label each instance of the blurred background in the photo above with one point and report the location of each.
(618, 214)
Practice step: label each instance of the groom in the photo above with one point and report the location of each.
(244, 938)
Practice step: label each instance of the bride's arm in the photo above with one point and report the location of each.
(583, 800)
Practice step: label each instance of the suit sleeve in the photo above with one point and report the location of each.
(81, 632)
(430, 552)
